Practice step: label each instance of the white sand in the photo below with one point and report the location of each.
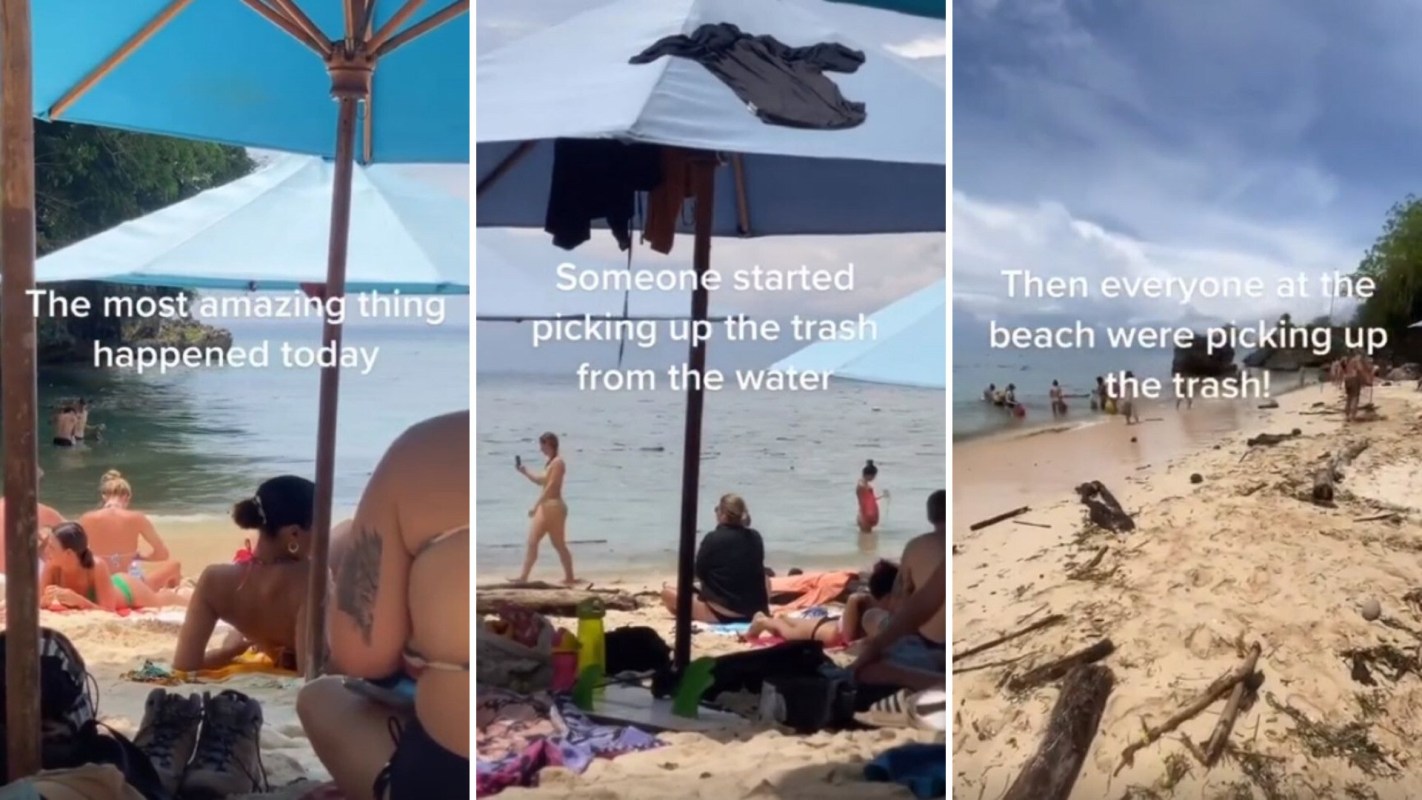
(112, 645)
(1209, 566)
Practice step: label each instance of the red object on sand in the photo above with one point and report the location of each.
(245, 555)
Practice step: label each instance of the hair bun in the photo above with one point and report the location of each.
(247, 515)
(112, 475)
(869, 463)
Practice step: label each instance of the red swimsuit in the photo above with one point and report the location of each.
(868, 505)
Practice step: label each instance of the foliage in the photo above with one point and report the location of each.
(88, 180)
(1395, 263)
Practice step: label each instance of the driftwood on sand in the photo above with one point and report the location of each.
(1332, 471)
(1016, 512)
(1271, 439)
(550, 600)
(1213, 692)
(1051, 772)
(1005, 638)
(1052, 670)
(1219, 737)
(1085, 569)
(1103, 508)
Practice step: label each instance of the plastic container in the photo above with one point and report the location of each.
(565, 661)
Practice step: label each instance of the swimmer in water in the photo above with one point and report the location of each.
(990, 393)
(66, 426)
(868, 517)
(1059, 406)
(549, 515)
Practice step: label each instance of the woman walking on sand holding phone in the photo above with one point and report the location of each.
(549, 515)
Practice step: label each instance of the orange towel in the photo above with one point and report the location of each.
(811, 588)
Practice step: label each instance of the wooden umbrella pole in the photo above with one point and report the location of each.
(17, 389)
(704, 177)
(348, 95)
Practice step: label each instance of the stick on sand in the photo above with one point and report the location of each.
(1212, 693)
(1036, 626)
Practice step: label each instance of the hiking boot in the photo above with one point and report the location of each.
(228, 758)
(168, 733)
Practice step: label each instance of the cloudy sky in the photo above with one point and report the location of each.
(889, 266)
(1214, 137)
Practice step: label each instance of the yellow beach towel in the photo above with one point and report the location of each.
(251, 662)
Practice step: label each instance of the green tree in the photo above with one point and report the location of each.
(88, 180)
(1394, 262)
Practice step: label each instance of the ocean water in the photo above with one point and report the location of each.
(1033, 371)
(794, 457)
(193, 442)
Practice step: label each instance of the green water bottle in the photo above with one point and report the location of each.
(593, 651)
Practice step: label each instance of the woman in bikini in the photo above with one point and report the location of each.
(400, 613)
(864, 614)
(549, 515)
(74, 578)
(263, 599)
(114, 533)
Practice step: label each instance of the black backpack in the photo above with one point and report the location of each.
(70, 733)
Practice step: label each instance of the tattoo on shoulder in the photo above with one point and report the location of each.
(359, 580)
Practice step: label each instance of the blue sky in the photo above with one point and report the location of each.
(1092, 137)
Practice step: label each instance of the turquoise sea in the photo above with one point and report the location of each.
(194, 441)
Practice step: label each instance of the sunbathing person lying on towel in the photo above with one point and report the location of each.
(73, 578)
(864, 614)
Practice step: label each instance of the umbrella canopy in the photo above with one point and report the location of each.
(268, 231)
(256, 73)
(518, 280)
(574, 81)
(236, 72)
(784, 181)
(909, 350)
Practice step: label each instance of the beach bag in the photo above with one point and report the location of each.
(70, 733)
(748, 671)
(509, 663)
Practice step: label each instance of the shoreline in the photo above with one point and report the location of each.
(1238, 555)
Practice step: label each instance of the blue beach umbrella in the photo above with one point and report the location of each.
(933, 9)
(909, 348)
(267, 232)
(263, 73)
(749, 178)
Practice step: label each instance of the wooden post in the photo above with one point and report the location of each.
(17, 389)
(704, 178)
(330, 383)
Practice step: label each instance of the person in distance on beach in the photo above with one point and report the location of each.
(990, 393)
(1059, 406)
(1127, 404)
(114, 533)
(399, 624)
(732, 585)
(549, 515)
(1352, 386)
(868, 518)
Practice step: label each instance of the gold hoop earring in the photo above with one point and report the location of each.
(292, 547)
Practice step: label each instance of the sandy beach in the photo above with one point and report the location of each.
(761, 761)
(112, 646)
(1241, 556)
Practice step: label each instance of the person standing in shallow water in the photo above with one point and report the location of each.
(549, 515)
(868, 500)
